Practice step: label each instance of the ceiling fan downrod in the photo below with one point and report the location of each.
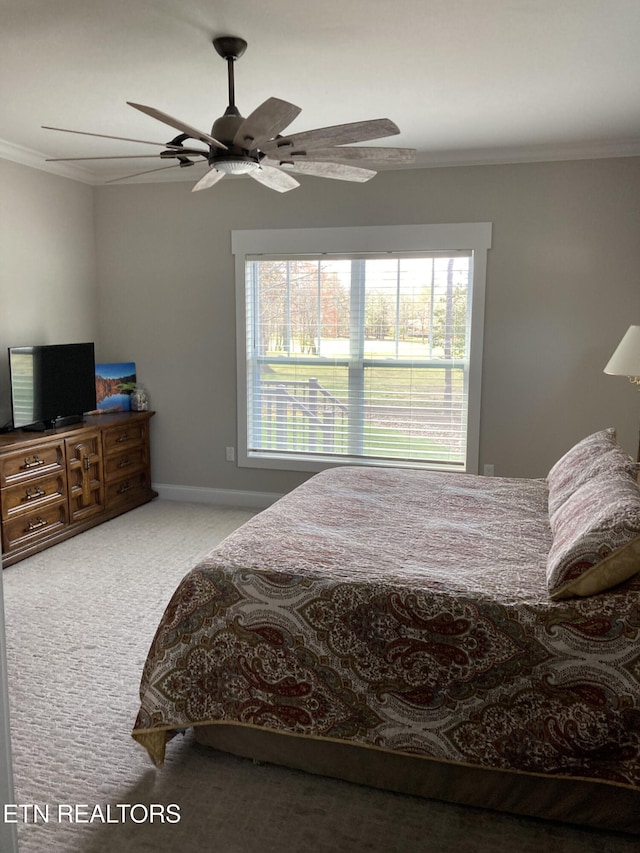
(230, 48)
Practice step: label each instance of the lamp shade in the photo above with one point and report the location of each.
(626, 359)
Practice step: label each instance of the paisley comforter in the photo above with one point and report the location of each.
(405, 611)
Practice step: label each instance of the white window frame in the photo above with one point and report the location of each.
(471, 236)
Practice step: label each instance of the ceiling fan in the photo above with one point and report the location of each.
(254, 145)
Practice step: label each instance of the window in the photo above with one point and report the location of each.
(360, 345)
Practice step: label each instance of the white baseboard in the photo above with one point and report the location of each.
(218, 497)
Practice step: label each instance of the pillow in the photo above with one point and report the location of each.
(596, 454)
(596, 537)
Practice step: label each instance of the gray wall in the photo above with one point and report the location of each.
(562, 288)
(146, 270)
(47, 263)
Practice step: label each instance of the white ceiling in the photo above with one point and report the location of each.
(467, 81)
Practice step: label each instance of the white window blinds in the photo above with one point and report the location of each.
(359, 357)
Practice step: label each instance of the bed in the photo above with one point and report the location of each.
(464, 638)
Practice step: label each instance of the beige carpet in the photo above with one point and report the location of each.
(79, 620)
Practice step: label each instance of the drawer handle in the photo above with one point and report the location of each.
(125, 487)
(122, 437)
(125, 462)
(33, 492)
(31, 462)
(36, 525)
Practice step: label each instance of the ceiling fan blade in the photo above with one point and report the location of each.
(266, 121)
(274, 179)
(212, 177)
(178, 125)
(137, 174)
(167, 156)
(121, 157)
(339, 134)
(105, 136)
(339, 155)
(339, 171)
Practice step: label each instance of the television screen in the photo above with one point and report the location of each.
(51, 384)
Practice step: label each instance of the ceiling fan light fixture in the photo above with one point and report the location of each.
(234, 166)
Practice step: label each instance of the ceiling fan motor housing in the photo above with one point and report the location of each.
(226, 127)
(234, 160)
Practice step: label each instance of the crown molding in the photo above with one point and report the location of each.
(530, 154)
(37, 160)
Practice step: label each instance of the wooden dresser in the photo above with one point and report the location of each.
(58, 483)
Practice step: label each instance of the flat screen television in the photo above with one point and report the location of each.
(51, 385)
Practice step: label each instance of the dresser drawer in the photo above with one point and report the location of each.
(125, 463)
(30, 527)
(22, 465)
(32, 496)
(124, 436)
(133, 489)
